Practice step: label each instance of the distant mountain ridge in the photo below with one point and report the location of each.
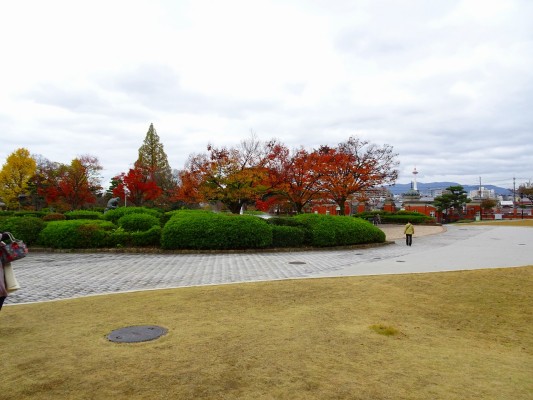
(423, 188)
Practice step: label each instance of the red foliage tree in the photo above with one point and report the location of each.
(71, 186)
(136, 188)
(294, 178)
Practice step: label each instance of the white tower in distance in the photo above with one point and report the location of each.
(415, 172)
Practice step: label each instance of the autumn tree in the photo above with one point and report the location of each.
(135, 187)
(293, 176)
(187, 187)
(487, 204)
(526, 190)
(353, 167)
(20, 166)
(75, 185)
(45, 179)
(234, 176)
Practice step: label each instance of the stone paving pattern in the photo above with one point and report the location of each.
(48, 276)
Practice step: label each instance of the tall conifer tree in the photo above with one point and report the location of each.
(153, 160)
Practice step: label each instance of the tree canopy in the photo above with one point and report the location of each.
(454, 199)
(268, 172)
(20, 166)
(525, 190)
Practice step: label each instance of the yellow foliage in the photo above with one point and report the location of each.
(14, 176)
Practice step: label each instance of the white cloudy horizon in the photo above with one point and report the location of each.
(447, 83)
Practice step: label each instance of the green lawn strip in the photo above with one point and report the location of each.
(455, 335)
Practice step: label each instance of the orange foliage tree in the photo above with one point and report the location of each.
(293, 177)
(234, 176)
(353, 167)
(270, 175)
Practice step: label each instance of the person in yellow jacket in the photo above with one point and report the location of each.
(409, 232)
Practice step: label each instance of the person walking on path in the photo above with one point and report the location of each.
(409, 231)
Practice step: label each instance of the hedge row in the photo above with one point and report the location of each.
(198, 230)
(201, 230)
(400, 217)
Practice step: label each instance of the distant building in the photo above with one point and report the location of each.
(413, 201)
(482, 193)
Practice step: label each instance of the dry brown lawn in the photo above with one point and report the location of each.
(453, 335)
(512, 222)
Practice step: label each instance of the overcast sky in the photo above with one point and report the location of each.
(447, 83)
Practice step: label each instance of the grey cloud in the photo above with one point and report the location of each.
(157, 87)
(84, 101)
(74, 100)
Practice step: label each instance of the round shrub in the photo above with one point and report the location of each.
(329, 230)
(138, 222)
(118, 238)
(117, 213)
(287, 236)
(148, 238)
(24, 228)
(83, 214)
(319, 229)
(76, 234)
(206, 230)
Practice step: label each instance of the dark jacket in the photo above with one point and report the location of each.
(3, 291)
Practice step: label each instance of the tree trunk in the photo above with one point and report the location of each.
(341, 203)
(234, 206)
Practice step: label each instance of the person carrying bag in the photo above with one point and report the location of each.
(11, 250)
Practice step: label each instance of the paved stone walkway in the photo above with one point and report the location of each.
(53, 276)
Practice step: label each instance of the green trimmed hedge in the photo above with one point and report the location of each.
(331, 230)
(148, 238)
(135, 222)
(54, 217)
(83, 214)
(287, 236)
(76, 234)
(400, 217)
(194, 229)
(204, 230)
(285, 221)
(26, 228)
(117, 213)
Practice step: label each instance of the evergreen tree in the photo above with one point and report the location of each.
(153, 160)
(454, 198)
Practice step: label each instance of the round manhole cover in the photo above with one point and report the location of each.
(134, 334)
(296, 262)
